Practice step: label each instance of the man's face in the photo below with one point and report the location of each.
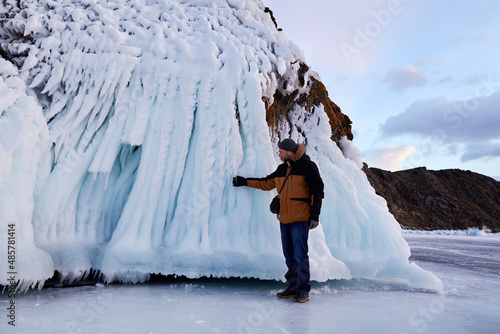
(285, 155)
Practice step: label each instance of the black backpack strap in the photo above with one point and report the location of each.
(284, 182)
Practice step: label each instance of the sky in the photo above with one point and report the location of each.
(420, 79)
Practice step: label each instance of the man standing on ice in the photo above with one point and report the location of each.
(300, 192)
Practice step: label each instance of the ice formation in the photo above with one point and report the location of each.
(120, 131)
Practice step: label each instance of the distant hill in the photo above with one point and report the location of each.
(445, 199)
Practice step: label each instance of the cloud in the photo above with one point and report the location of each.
(422, 118)
(475, 119)
(391, 157)
(432, 61)
(445, 79)
(473, 80)
(473, 123)
(403, 78)
(475, 151)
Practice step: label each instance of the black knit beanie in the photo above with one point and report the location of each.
(288, 145)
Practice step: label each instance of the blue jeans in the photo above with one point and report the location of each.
(294, 241)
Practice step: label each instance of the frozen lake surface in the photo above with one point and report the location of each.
(468, 266)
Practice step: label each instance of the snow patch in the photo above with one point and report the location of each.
(471, 231)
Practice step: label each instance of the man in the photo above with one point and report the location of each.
(301, 192)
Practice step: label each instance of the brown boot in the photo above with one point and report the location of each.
(287, 294)
(301, 297)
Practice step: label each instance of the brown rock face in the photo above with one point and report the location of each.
(449, 199)
(317, 95)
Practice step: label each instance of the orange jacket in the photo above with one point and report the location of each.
(302, 194)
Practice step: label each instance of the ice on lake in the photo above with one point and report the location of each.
(470, 303)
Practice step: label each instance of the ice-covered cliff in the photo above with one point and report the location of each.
(122, 124)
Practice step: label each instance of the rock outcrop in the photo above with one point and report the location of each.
(444, 199)
(314, 95)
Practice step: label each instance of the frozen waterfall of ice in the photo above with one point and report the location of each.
(120, 134)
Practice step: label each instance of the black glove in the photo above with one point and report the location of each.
(239, 181)
(313, 221)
